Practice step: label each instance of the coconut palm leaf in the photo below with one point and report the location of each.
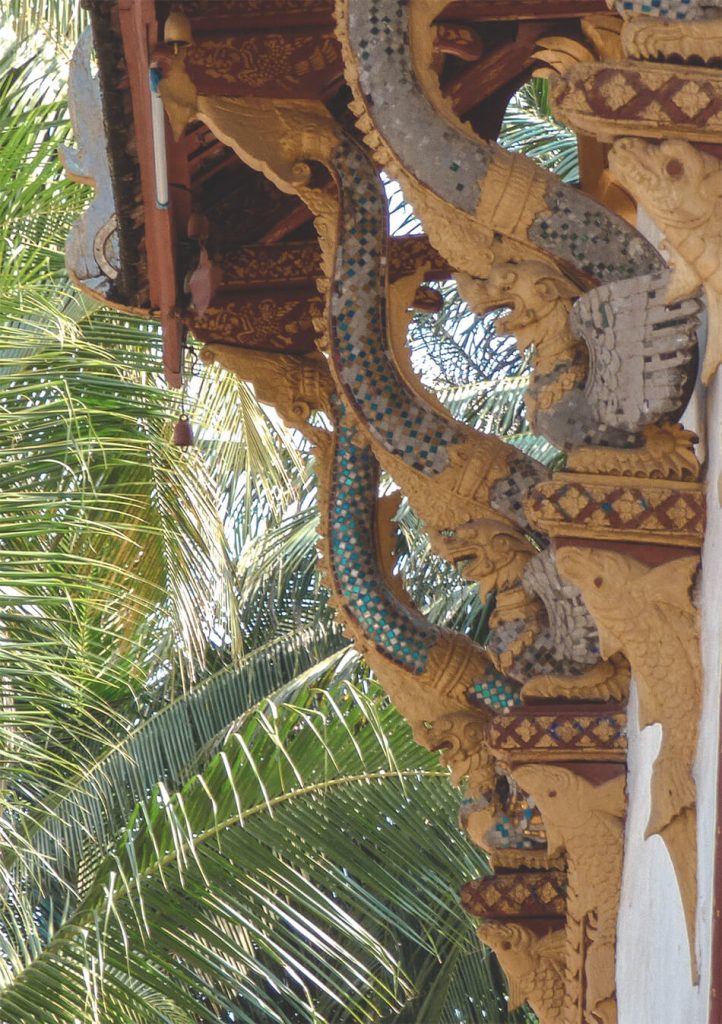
(296, 838)
(529, 127)
(81, 818)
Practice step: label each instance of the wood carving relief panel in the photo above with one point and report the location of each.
(285, 63)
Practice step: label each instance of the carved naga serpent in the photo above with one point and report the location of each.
(428, 671)
(443, 683)
(535, 242)
(450, 472)
(467, 191)
(455, 477)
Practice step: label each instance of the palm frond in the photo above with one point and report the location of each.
(78, 821)
(295, 837)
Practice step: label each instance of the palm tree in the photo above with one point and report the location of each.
(207, 803)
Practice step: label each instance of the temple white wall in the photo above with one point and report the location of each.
(654, 981)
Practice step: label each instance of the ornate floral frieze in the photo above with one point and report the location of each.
(292, 263)
(291, 63)
(563, 734)
(582, 505)
(644, 99)
(262, 321)
(516, 894)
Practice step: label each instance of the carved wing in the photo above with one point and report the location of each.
(573, 635)
(91, 251)
(642, 353)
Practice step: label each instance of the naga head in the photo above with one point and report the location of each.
(485, 551)
(463, 743)
(539, 297)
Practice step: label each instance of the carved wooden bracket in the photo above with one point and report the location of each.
(586, 820)
(647, 614)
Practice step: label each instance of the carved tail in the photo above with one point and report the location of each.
(713, 352)
(674, 818)
(680, 838)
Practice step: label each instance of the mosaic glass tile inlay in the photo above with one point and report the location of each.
(453, 164)
(398, 633)
(397, 418)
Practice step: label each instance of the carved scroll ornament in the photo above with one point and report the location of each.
(648, 38)
(91, 251)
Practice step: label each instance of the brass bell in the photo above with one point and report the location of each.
(183, 432)
(177, 30)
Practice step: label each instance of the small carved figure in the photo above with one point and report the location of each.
(501, 819)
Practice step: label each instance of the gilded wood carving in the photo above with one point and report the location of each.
(647, 614)
(613, 338)
(534, 967)
(587, 822)
(681, 187)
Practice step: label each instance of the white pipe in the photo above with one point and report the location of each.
(159, 151)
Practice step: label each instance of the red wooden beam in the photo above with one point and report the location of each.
(521, 10)
(139, 30)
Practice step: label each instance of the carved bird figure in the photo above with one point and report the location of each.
(534, 967)
(681, 187)
(606, 364)
(587, 822)
(647, 614)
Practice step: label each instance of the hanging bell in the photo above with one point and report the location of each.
(183, 432)
(177, 30)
